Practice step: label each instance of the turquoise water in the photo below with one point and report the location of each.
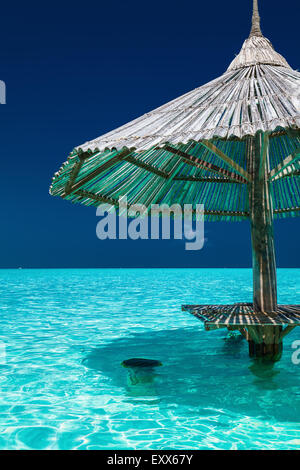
(64, 334)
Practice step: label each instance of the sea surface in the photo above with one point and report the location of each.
(65, 333)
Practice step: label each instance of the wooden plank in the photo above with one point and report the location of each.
(235, 166)
(199, 163)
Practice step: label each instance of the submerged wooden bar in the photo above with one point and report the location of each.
(243, 314)
(264, 331)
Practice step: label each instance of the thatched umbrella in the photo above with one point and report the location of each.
(232, 145)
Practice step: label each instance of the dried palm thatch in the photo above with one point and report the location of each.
(194, 149)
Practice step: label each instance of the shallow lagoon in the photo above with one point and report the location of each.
(64, 334)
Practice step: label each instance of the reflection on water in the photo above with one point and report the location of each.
(265, 372)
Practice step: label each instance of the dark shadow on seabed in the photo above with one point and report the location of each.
(199, 369)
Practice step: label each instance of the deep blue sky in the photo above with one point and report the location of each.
(75, 71)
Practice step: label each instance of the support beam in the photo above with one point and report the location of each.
(245, 333)
(122, 156)
(199, 163)
(150, 168)
(284, 166)
(114, 202)
(286, 211)
(76, 169)
(270, 347)
(254, 334)
(212, 148)
(288, 173)
(195, 179)
(74, 173)
(168, 183)
(227, 213)
(100, 169)
(96, 197)
(265, 341)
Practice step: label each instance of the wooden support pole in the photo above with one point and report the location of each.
(269, 345)
(264, 341)
(261, 219)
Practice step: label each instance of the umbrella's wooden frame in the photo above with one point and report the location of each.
(261, 322)
(227, 163)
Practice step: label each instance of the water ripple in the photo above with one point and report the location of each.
(66, 333)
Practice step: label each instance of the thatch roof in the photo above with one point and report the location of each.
(256, 97)
(193, 149)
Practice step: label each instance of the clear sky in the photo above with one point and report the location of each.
(74, 71)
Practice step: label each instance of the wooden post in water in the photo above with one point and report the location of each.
(265, 340)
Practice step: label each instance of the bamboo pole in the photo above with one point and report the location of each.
(265, 341)
(262, 235)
